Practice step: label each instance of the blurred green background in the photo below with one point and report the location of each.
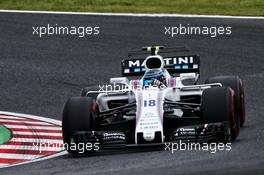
(212, 7)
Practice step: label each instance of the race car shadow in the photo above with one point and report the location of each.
(116, 151)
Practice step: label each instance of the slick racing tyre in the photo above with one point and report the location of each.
(78, 116)
(218, 105)
(235, 83)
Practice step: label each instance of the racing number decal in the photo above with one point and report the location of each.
(149, 103)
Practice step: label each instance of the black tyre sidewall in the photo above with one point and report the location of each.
(77, 116)
(218, 106)
(235, 83)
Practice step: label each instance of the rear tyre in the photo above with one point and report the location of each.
(218, 105)
(78, 116)
(235, 83)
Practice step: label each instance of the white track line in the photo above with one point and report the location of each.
(33, 148)
(32, 127)
(37, 133)
(131, 14)
(26, 122)
(56, 122)
(13, 117)
(36, 140)
(3, 164)
(19, 156)
(37, 160)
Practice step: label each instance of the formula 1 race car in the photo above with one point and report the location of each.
(156, 100)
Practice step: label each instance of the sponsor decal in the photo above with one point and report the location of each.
(132, 63)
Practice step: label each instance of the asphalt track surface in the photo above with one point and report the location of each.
(39, 74)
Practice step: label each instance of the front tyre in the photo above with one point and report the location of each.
(235, 83)
(218, 105)
(78, 116)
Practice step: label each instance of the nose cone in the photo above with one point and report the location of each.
(149, 136)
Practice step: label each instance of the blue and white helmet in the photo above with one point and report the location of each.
(154, 69)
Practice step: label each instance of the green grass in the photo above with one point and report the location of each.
(5, 134)
(212, 7)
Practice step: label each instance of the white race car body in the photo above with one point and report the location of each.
(149, 116)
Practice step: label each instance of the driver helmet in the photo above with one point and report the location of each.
(153, 77)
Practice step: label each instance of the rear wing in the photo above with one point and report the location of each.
(173, 64)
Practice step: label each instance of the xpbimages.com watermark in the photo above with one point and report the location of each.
(78, 147)
(59, 30)
(211, 31)
(116, 87)
(189, 146)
